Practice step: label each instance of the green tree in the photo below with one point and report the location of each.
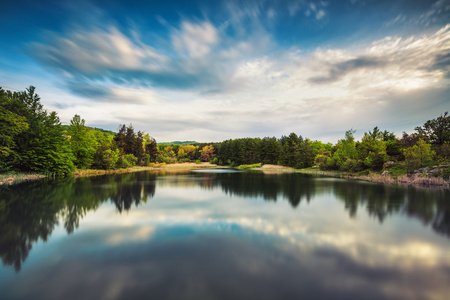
(345, 150)
(43, 146)
(11, 124)
(436, 130)
(372, 149)
(81, 142)
(418, 155)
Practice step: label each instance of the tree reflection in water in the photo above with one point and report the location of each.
(29, 212)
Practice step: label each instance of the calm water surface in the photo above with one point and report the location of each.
(222, 235)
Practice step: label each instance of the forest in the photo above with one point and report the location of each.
(34, 140)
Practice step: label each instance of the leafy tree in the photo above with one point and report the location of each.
(207, 153)
(372, 149)
(186, 152)
(344, 150)
(42, 147)
(436, 130)
(11, 124)
(110, 158)
(103, 142)
(322, 158)
(81, 142)
(417, 155)
(409, 140)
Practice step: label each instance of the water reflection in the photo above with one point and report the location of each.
(224, 235)
(30, 211)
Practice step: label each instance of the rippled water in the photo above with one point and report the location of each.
(222, 235)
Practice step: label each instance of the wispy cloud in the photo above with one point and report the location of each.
(195, 39)
(227, 75)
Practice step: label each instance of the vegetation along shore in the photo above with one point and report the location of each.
(34, 144)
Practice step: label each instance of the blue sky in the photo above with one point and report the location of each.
(213, 70)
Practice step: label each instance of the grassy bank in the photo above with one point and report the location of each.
(402, 179)
(151, 167)
(395, 177)
(10, 178)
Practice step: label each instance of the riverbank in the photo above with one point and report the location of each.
(417, 179)
(151, 167)
(413, 180)
(10, 178)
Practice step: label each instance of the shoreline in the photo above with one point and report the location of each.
(404, 180)
(8, 178)
(413, 180)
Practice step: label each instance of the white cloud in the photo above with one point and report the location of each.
(94, 52)
(223, 86)
(195, 39)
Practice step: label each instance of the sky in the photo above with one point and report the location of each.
(214, 70)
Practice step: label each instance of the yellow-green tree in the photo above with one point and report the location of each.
(207, 153)
(418, 155)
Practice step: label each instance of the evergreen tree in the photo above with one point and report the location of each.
(42, 147)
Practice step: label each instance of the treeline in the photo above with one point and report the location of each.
(172, 153)
(430, 143)
(33, 140)
(293, 151)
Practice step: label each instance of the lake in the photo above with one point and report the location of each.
(222, 234)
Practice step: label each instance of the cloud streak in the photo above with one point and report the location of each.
(253, 68)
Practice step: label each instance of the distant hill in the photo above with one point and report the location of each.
(179, 143)
(107, 132)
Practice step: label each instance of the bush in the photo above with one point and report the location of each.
(161, 158)
(126, 161)
(375, 161)
(110, 158)
(351, 165)
(146, 159)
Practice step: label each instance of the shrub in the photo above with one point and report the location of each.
(351, 165)
(126, 161)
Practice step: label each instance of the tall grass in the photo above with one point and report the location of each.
(10, 178)
(250, 166)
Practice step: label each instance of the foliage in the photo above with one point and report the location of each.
(33, 140)
(126, 161)
(110, 159)
(36, 143)
(436, 130)
(187, 152)
(82, 143)
(344, 150)
(417, 155)
(207, 153)
(372, 150)
(141, 146)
